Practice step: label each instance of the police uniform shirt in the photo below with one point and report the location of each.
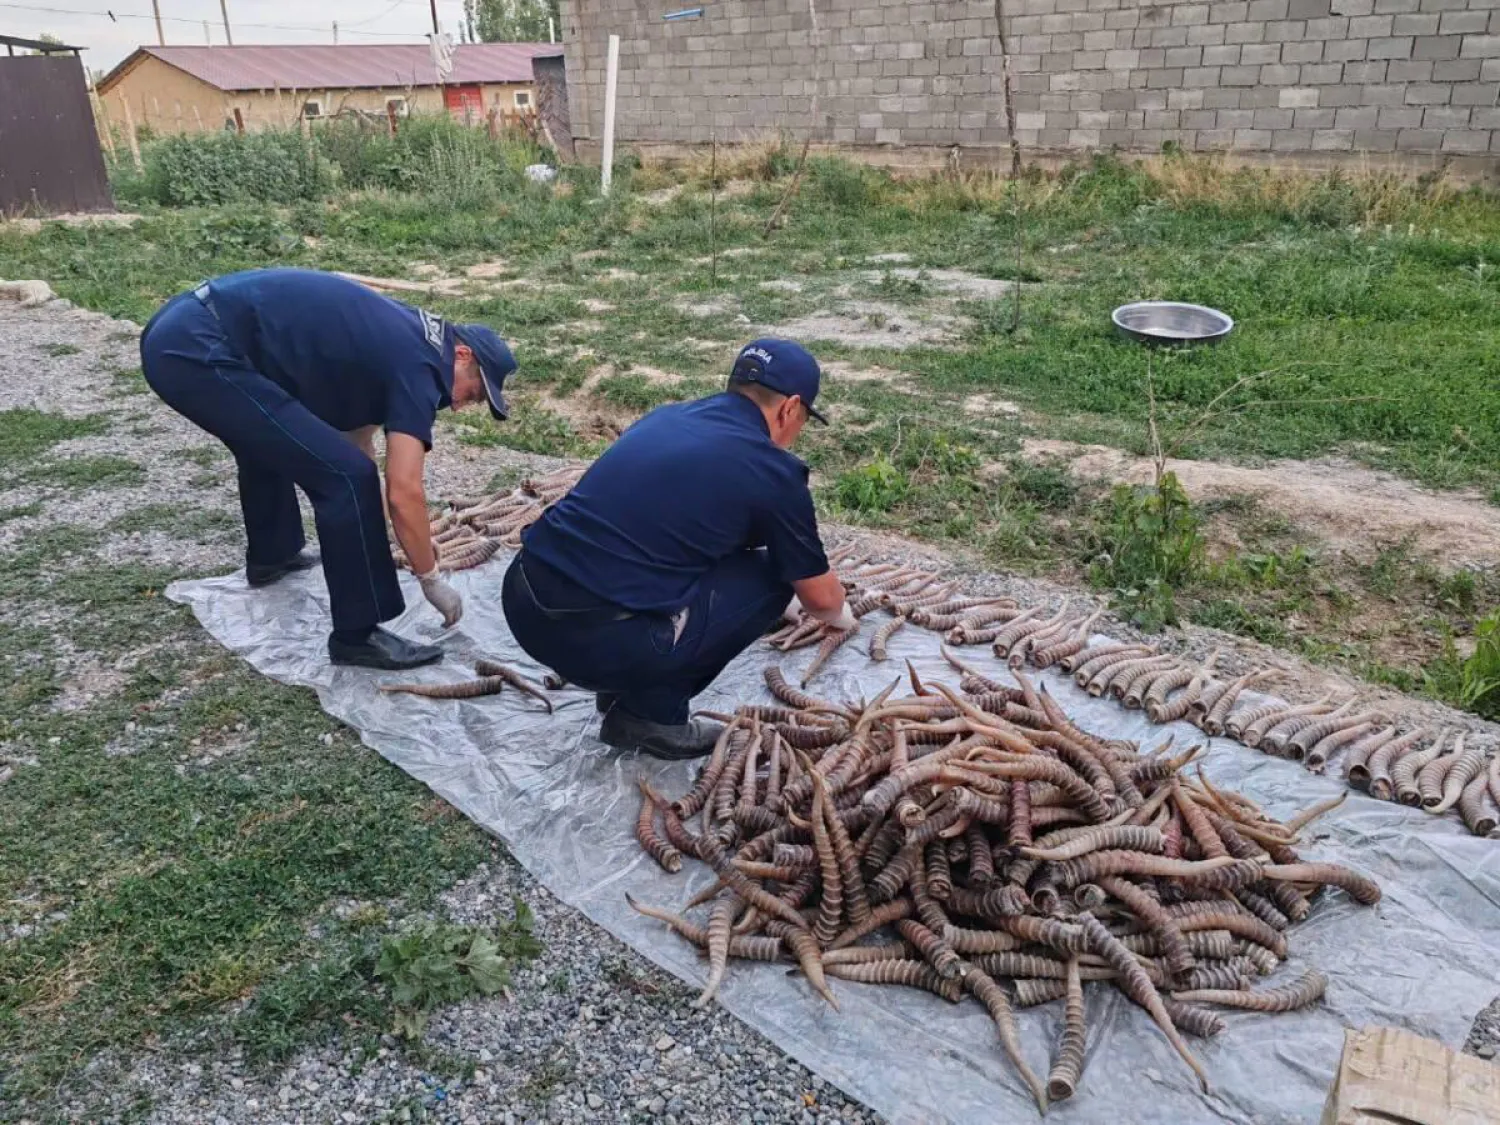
(352, 356)
(685, 487)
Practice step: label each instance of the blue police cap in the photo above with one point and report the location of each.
(495, 363)
(783, 366)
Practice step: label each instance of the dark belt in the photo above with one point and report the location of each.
(590, 615)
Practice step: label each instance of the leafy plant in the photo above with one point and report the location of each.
(1152, 543)
(1471, 682)
(440, 963)
(876, 487)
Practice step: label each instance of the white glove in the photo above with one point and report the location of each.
(842, 621)
(442, 597)
(793, 610)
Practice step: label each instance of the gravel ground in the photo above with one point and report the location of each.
(593, 1032)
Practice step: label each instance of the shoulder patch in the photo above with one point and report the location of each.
(432, 328)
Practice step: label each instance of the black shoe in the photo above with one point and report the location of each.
(692, 739)
(263, 574)
(604, 700)
(382, 649)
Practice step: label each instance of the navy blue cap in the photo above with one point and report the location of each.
(783, 366)
(495, 363)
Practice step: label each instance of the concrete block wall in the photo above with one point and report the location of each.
(1323, 78)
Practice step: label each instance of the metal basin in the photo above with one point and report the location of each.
(1172, 322)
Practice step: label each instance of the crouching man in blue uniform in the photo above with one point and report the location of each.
(293, 370)
(680, 546)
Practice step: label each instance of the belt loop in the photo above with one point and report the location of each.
(206, 297)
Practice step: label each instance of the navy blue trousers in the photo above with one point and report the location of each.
(278, 444)
(638, 659)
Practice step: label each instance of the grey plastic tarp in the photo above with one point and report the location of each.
(1425, 959)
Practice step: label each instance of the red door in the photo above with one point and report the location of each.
(464, 102)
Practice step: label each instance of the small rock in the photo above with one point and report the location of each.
(665, 1042)
(595, 1101)
(1486, 1051)
(486, 1055)
(657, 1106)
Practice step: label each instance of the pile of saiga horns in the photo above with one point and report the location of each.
(472, 529)
(1420, 767)
(951, 840)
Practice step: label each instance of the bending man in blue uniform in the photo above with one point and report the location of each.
(293, 370)
(680, 546)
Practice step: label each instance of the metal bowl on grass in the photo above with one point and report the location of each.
(1172, 322)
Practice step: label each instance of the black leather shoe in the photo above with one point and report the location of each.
(624, 731)
(383, 649)
(604, 700)
(263, 574)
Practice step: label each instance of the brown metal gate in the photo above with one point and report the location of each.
(49, 148)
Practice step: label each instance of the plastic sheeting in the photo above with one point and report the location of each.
(1424, 959)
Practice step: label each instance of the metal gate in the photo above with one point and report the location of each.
(49, 147)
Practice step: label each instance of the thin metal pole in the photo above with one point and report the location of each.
(161, 36)
(224, 11)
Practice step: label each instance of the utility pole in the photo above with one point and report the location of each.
(335, 33)
(208, 39)
(224, 11)
(434, 17)
(161, 36)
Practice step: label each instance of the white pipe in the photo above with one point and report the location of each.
(551, 31)
(611, 79)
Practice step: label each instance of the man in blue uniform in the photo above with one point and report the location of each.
(293, 370)
(680, 546)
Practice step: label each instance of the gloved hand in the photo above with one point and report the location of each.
(846, 620)
(442, 597)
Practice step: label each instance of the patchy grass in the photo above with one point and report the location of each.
(26, 433)
(191, 881)
(90, 472)
(174, 520)
(20, 512)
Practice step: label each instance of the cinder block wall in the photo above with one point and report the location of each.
(1373, 80)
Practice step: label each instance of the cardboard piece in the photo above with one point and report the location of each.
(1392, 1077)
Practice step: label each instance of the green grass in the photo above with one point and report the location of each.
(191, 876)
(26, 433)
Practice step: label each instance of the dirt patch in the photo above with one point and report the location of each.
(653, 375)
(875, 324)
(594, 305)
(577, 328)
(714, 306)
(782, 285)
(732, 252)
(662, 196)
(843, 372)
(69, 219)
(987, 406)
(1350, 507)
(892, 258)
(448, 286)
(484, 270)
(614, 273)
(425, 269)
(86, 685)
(590, 418)
(958, 282)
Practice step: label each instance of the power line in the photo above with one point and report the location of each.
(115, 16)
